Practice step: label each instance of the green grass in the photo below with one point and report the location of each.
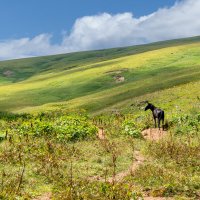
(86, 80)
(173, 169)
(23, 69)
(48, 160)
(56, 165)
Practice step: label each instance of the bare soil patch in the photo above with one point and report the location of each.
(8, 73)
(46, 196)
(157, 198)
(101, 134)
(154, 134)
(119, 79)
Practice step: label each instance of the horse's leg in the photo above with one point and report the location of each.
(155, 121)
(159, 123)
(163, 124)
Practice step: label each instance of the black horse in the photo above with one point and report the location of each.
(157, 113)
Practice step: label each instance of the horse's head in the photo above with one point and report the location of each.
(149, 106)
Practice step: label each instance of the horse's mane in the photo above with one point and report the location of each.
(152, 105)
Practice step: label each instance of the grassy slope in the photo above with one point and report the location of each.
(85, 80)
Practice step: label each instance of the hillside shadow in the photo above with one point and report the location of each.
(141, 82)
(22, 69)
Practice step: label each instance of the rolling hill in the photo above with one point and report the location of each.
(164, 72)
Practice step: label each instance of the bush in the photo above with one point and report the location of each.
(69, 127)
(187, 124)
(72, 128)
(129, 128)
(81, 190)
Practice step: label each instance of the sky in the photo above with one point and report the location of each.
(44, 27)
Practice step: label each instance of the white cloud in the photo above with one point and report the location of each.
(106, 31)
(25, 47)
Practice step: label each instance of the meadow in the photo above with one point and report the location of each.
(55, 108)
(83, 81)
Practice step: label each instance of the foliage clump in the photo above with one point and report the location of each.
(129, 128)
(187, 124)
(65, 127)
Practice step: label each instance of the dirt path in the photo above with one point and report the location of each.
(153, 134)
(157, 198)
(101, 134)
(46, 196)
(139, 159)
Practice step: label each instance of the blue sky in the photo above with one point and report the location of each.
(43, 27)
(27, 18)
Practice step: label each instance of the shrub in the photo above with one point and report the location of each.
(129, 128)
(71, 127)
(187, 124)
(81, 190)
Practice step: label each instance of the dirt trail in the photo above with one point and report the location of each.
(139, 159)
(153, 134)
(46, 196)
(101, 134)
(157, 198)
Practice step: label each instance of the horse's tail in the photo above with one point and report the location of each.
(163, 119)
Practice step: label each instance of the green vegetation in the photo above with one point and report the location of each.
(49, 144)
(37, 156)
(88, 80)
(49, 159)
(174, 168)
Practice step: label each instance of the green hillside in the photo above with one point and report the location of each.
(89, 80)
